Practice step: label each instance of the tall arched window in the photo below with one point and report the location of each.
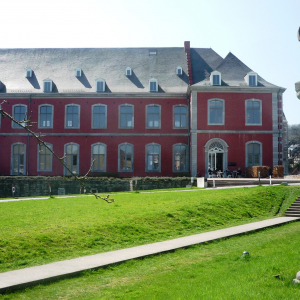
(216, 113)
(99, 157)
(125, 157)
(46, 116)
(72, 158)
(180, 158)
(99, 116)
(19, 114)
(153, 158)
(18, 159)
(253, 112)
(44, 158)
(253, 153)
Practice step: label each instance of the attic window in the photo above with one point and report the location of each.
(215, 78)
(178, 71)
(153, 86)
(128, 71)
(152, 52)
(28, 73)
(251, 79)
(47, 86)
(100, 85)
(78, 72)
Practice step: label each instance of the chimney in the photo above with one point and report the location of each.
(187, 46)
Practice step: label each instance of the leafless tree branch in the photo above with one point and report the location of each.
(25, 124)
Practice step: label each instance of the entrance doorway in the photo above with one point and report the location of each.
(215, 160)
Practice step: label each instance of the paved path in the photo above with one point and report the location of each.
(34, 275)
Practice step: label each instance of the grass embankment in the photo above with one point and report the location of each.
(213, 271)
(38, 232)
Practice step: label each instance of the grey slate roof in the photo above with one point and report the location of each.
(110, 63)
(233, 72)
(107, 63)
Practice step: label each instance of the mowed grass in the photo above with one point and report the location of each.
(209, 271)
(42, 231)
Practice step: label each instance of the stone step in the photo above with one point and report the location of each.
(292, 214)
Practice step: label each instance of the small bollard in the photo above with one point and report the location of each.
(270, 180)
(13, 189)
(214, 185)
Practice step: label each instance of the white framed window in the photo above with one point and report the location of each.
(44, 158)
(99, 116)
(253, 153)
(46, 116)
(215, 78)
(251, 78)
(126, 116)
(180, 117)
(99, 157)
(71, 158)
(253, 112)
(153, 85)
(28, 73)
(153, 158)
(125, 157)
(47, 83)
(153, 116)
(72, 116)
(180, 158)
(18, 159)
(128, 71)
(100, 85)
(78, 72)
(179, 71)
(19, 114)
(216, 112)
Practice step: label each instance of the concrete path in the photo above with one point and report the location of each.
(34, 275)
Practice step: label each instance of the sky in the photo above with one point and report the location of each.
(261, 33)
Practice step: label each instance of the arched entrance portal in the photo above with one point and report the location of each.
(216, 154)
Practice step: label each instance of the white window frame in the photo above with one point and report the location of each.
(51, 121)
(119, 158)
(153, 80)
(66, 119)
(103, 87)
(186, 158)
(44, 85)
(215, 73)
(186, 116)
(28, 73)
(247, 78)
(13, 124)
(126, 127)
(105, 118)
(159, 117)
(66, 172)
(12, 159)
(260, 149)
(146, 158)
(78, 72)
(260, 112)
(39, 157)
(179, 71)
(105, 157)
(128, 73)
(209, 122)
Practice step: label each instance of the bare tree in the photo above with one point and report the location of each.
(26, 124)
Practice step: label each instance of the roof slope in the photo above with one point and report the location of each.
(107, 63)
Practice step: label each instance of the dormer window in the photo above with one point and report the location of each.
(47, 86)
(100, 85)
(78, 72)
(128, 71)
(251, 79)
(153, 86)
(28, 73)
(179, 71)
(215, 78)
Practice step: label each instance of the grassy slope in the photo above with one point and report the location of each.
(38, 232)
(213, 271)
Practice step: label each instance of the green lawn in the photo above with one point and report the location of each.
(213, 271)
(42, 231)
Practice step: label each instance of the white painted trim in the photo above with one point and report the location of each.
(215, 73)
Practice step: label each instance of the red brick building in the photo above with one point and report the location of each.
(136, 111)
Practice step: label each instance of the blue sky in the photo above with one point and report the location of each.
(263, 34)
